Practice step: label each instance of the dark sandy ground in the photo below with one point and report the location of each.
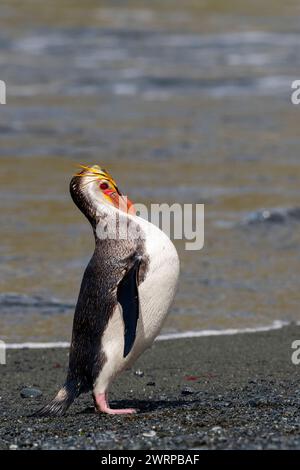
(227, 392)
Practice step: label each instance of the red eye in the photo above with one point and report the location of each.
(103, 185)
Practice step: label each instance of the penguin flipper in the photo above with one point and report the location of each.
(128, 298)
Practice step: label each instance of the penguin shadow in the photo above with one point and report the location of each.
(144, 406)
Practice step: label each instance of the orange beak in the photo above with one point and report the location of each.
(120, 201)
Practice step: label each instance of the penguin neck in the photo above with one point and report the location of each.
(104, 217)
(110, 223)
(101, 209)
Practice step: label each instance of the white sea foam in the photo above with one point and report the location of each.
(276, 325)
(29, 345)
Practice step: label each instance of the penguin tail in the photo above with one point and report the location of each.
(61, 402)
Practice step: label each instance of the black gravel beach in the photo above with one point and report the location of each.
(224, 392)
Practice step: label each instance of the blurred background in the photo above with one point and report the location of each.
(183, 101)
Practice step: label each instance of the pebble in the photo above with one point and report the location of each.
(29, 392)
(217, 429)
(13, 447)
(139, 373)
(149, 433)
(187, 391)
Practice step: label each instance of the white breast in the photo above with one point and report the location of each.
(157, 291)
(156, 294)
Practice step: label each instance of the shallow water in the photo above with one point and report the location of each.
(181, 104)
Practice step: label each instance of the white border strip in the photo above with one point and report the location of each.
(276, 325)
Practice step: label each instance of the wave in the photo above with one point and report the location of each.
(276, 325)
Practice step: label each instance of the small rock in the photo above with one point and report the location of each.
(187, 391)
(217, 429)
(13, 447)
(151, 384)
(29, 392)
(253, 403)
(139, 373)
(149, 433)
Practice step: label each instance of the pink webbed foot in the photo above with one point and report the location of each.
(102, 405)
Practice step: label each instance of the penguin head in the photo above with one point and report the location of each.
(93, 189)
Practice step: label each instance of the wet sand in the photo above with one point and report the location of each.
(183, 102)
(226, 392)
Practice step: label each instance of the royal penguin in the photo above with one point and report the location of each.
(127, 289)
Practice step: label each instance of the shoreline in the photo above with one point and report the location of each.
(214, 392)
(276, 325)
